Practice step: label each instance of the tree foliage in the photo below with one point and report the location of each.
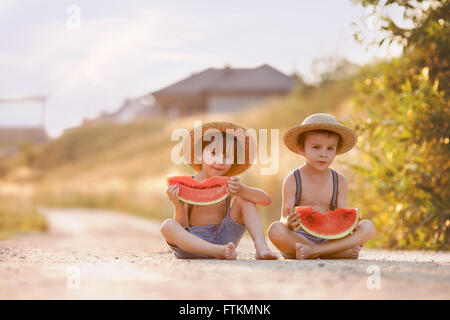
(402, 121)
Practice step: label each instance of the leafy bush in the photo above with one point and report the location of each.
(19, 215)
(402, 120)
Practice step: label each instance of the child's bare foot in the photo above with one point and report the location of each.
(352, 253)
(228, 252)
(303, 251)
(263, 252)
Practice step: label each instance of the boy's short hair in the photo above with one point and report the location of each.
(302, 137)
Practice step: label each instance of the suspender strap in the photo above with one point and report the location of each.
(335, 191)
(298, 181)
(190, 209)
(228, 204)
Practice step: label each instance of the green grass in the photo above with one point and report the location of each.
(122, 166)
(19, 216)
(93, 144)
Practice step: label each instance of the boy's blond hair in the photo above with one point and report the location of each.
(302, 137)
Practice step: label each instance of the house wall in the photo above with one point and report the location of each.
(181, 106)
(129, 112)
(229, 103)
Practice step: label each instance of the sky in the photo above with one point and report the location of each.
(86, 57)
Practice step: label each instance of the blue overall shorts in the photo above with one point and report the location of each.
(227, 231)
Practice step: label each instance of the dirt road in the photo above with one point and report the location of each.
(106, 255)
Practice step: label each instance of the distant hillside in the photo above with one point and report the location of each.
(122, 166)
(11, 138)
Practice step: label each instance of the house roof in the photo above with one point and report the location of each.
(261, 79)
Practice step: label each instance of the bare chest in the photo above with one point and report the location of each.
(316, 197)
(318, 194)
(210, 214)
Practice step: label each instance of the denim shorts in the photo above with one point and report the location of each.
(227, 231)
(307, 236)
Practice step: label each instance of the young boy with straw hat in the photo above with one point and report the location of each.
(319, 138)
(214, 231)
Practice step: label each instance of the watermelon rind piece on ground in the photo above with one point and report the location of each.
(336, 223)
(202, 193)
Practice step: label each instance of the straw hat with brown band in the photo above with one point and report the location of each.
(321, 121)
(242, 139)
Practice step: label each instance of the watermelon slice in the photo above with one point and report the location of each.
(204, 193)
(331, 225)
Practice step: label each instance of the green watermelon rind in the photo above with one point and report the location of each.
(336, 236)
(197, 203)
(203, 203)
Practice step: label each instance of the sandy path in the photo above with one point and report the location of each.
(107, 255)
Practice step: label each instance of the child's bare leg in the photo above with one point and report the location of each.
(245, 212)
(284, 238)
(363, 233)
(176, 234)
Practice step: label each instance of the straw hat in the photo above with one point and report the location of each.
(242, 139)
(321, 121)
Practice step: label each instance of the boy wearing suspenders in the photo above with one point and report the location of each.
(214, 231)
(319, 139)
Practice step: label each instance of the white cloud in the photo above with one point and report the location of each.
(119, 53)
(5, 5)
(93, 67)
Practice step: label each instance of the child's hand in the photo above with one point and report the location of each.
(293, 220)
(234, 186)
(173, 192)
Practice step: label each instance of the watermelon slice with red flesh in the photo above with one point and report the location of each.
(331, 225)
(196, 192)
